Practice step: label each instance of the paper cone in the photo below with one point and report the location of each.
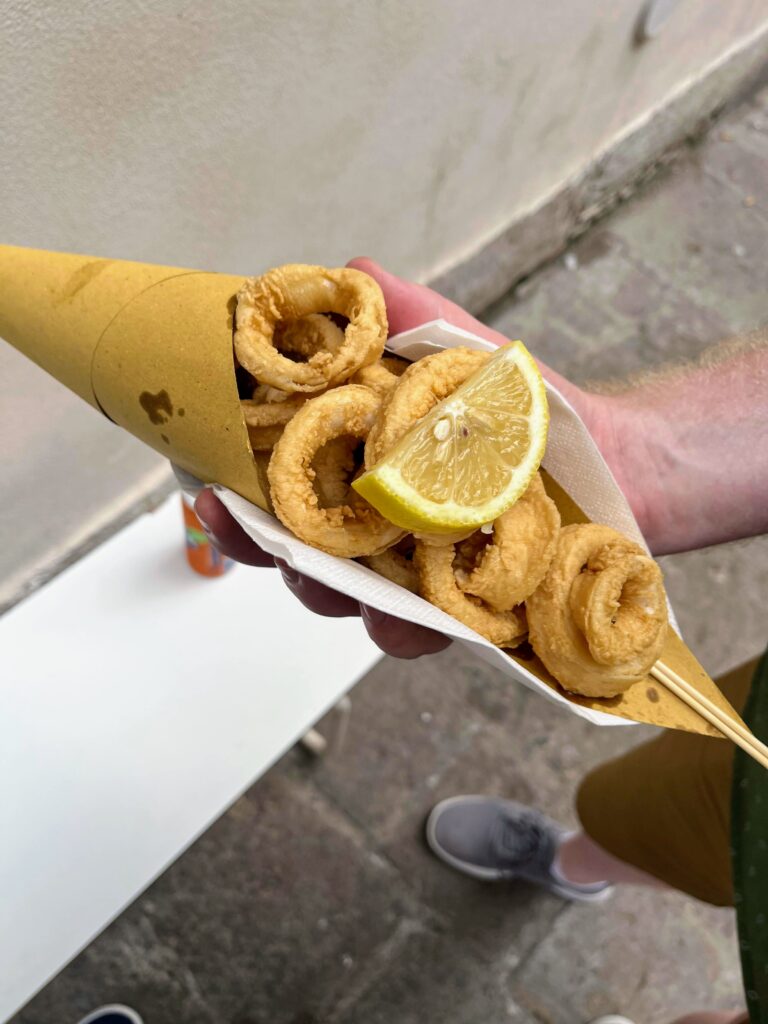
(150, 346)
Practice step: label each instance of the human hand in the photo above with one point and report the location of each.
(394, 636)
(409, 305)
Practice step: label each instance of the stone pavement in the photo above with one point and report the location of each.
(314, 899)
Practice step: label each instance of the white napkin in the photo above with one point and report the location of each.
(572, 458)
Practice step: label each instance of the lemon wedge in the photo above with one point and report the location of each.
(471, 456)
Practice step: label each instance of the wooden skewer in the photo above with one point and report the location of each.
(718, 712)
(703, 706)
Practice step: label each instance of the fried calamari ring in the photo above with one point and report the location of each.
(349, 530)
(396, 564)
(382, 376)
(269, 409)
(598, 620)
(308, 336)
(333, 467)
(439, 540)
(505, 567)
(437, 584)
(266, 419)
(295, 291)
(421, 387)
(266, 393)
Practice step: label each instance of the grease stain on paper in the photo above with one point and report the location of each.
(82, 277)
(158, 407)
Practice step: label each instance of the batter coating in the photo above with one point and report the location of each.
(598, 620)
(507, 569)
(334, 467)
(424, 384)
(351, 529)
(382, 376)
(437, 584)
(266, 419)
(308, 336)
(294, 291)
(396, 564)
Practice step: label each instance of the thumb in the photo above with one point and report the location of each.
(410, 305)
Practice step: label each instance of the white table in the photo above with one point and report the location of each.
(137, 700)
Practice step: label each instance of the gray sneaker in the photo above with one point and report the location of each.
(495, 839)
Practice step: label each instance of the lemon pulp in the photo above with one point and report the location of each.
(470, 457)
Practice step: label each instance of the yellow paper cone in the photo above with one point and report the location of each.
(150, 346)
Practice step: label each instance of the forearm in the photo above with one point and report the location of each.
(689, 448)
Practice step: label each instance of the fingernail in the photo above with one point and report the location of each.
(372, 615)
(204, 524)
(209, 533)
(290, 575)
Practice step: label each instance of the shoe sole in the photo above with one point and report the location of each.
(492, 874)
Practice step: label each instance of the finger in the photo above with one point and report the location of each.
(410, 305)
(315, 596)
(401, 639)
(227, 535)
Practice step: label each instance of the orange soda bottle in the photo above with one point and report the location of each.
(201, 554)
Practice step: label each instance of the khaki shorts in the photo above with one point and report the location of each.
(665, 807)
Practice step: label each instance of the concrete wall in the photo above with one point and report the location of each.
(252, 132)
